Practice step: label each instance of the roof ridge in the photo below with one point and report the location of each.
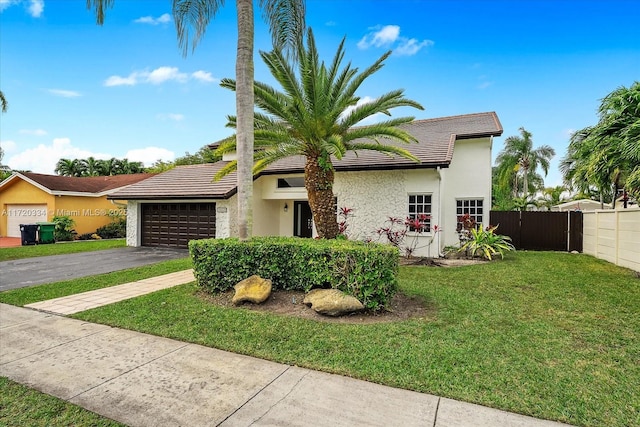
(457, 116)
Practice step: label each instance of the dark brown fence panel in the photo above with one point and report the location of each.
(575, 231)
(543, 231)
(508, 223)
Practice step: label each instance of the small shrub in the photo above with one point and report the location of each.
(405, 234)
(63, 230)
(486, 243)
(115, 230)
(368, 271)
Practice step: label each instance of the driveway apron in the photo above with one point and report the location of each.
(36, 271)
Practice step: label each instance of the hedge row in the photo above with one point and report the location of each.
(368, 271)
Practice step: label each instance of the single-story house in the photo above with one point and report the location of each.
(452, 178)
(27, 198)
(583, 205)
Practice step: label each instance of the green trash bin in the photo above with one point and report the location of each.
(46, 232)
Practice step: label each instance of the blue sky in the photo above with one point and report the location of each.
(125, 90)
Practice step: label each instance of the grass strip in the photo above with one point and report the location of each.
(22, 406)
(550, 335)
(33, 294)
(20, 252)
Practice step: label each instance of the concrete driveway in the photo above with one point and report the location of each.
(35, 271)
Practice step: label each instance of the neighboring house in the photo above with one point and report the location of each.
(27, 198)
(453, 178)
(583, 205)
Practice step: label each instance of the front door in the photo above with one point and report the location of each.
(302, 219)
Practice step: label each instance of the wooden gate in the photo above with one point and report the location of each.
(541, 231)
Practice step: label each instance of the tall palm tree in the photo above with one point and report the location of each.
(314, 115)
(286, 20)
(519, 157)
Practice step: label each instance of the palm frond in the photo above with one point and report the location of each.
(192, 17)
(99, 7)
(226, 170)
(286, 19)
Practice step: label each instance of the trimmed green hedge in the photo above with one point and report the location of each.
(368, 271)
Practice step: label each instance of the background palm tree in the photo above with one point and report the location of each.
(314, 115)
(90, 166)
(68, 167)
(519, 158)
(286, 20)
(606, 156)
(552, 196)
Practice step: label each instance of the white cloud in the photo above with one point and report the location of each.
(149, 155)
(7, 3)
(410, 47)
(36, 7)
(8, 145)
(369, 120)
(34, 132)
(158, 76)
(64, 93)
(171, 116)
(384, 36)
(43, 158)
(163, 74)
(33, 7)
(204, 76)
(484, 85)
(389, 37)
(131, 80)
(162, 19)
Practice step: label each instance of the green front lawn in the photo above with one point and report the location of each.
(59, 248)
(22, 406)
(551, 335)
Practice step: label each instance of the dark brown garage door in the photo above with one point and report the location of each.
(174, 224)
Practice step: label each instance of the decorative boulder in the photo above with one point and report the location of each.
(254, 289)
(332, 302)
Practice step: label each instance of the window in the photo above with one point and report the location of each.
(296, 182)
(420, 209)
(472, 207)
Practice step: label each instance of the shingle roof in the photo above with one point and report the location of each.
(183, 182)
(436, 138)
(93, 184)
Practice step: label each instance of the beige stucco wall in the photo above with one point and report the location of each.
(467, 177)
(613, 235)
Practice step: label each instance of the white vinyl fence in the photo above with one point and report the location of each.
(613, 236)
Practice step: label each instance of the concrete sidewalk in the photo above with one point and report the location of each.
(144, 380)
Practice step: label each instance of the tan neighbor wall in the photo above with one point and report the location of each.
(23, 193)
(613, 236)
(89, 213)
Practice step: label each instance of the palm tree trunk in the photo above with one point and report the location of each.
(319, 183)
(244, 112)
